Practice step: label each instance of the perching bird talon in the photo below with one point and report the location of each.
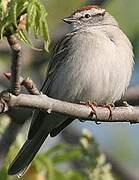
(91, 105)
(97, 123)
(109, 107)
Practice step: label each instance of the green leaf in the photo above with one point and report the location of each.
(12, 16)
(36, 20)
(23, 35)
(22, 6)
(3, 7)
(37, 26)
(46, 36)
(31, 15)
(1, 30)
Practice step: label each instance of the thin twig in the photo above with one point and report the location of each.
(30, 86)
(16, 64)
(27, 83)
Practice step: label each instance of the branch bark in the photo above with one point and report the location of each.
(16, 64)
(119, 114)
(27, 83)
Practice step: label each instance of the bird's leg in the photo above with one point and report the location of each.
(91, 105)
(109, 107)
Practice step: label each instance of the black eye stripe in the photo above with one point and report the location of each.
(89, 15)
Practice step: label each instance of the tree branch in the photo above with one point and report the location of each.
(27, 83)
(16, 64)
(119, 114)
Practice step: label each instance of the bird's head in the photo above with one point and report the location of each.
(91, 15)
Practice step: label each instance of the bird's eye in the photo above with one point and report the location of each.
(87, 16)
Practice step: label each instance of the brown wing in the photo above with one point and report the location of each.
(59, 53)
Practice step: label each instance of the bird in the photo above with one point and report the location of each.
(92, 62)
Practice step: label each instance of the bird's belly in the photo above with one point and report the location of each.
(100, 83)
(100, 88)
(101, 76)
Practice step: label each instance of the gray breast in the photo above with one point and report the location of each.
(97, 67)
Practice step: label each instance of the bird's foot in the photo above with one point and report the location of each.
(92, 105)
(109, 107)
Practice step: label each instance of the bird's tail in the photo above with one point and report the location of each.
(41, 126)
(27, 152)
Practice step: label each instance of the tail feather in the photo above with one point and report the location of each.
(61, 127)
(27, 153)
(42, 125)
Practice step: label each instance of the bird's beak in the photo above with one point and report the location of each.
(69, 19)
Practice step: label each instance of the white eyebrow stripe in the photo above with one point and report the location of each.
(95, 11)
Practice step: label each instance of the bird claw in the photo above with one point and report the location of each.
(109, 107)
(97, 123)
(91, 105)
(93, 112)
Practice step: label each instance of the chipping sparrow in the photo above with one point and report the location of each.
(92, 63)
